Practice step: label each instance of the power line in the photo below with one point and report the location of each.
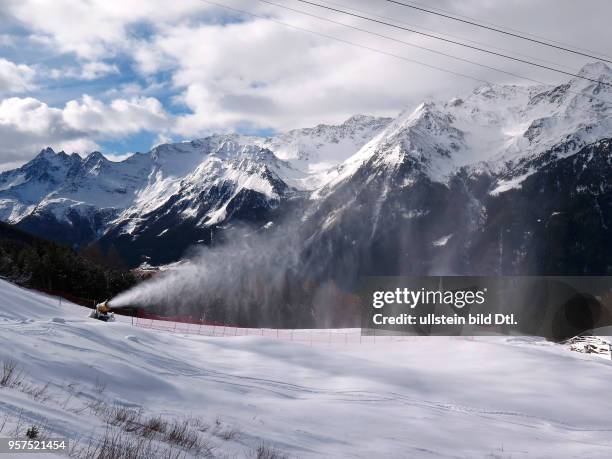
(533, 80)
(524, 61)
(460, 37)
(385, 53)
(348, 42)
(472, 21)
(386, 37)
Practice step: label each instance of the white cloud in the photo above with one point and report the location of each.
(15, 78)
(161, 139)
(88, 71)
(235, 72)
(132, 89)
(119, 118)
(94, 28)
(80, 145)
(27, 124)
(258, 74)
(118, 157)
(94, 70)
(150, 59)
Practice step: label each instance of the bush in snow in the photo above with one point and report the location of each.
(11, 374)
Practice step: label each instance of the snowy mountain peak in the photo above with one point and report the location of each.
(596, 70)
(48, 160)
(597, 73)
(46, 153)
(483, 96)
(95, 157)
(495, 126)
(231, 146)
(313, 150)
(360, 122)
(427, 135)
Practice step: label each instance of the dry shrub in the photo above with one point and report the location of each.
(11, 375)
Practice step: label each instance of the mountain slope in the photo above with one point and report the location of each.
(314, 150)
(330, 401)
(237, 182)
(36, 263)
(413, 194)
(469, 186)
(195, 185)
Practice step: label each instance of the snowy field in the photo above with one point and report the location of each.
(423, 398)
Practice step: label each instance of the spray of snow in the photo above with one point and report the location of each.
(239, 281)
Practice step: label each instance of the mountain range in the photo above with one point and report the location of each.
(504, 180)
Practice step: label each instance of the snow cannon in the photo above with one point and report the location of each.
(103, 312)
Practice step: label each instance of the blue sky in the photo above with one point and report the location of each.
(119, 77)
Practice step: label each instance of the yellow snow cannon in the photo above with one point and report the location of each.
(103, 312)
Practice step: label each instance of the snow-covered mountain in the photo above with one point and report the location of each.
(315, 150)
(497, 127)
(234, 181)
(188, 186)
(422, 187)
(508, 180)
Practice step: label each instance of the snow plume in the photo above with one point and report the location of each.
(255, 280)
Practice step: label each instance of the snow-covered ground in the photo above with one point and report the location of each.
(426, 397)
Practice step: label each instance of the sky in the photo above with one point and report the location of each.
(124, 76)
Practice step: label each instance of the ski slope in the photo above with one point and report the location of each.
(423, 398)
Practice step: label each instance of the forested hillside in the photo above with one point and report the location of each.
(33, 262)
